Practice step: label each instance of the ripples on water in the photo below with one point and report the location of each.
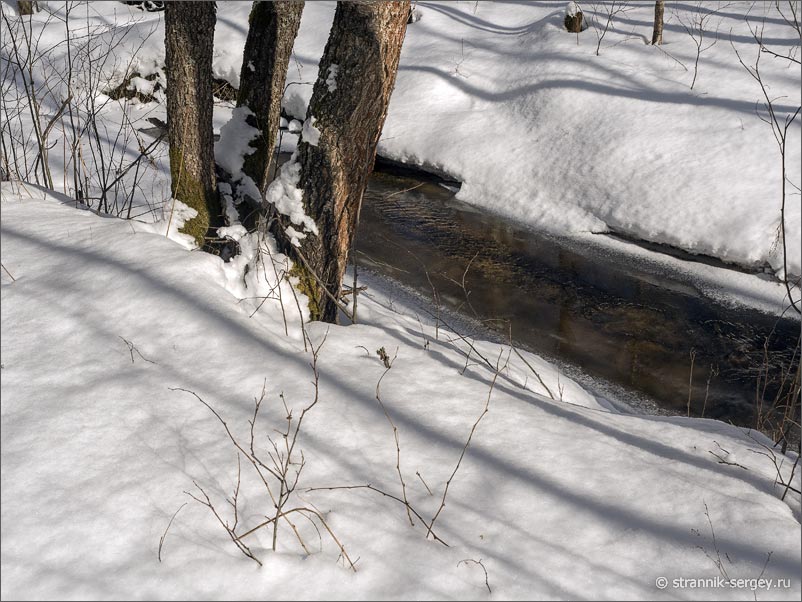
(606, 317)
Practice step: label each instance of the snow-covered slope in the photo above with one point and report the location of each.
(558, 499)
(541, 129)
(104, 320)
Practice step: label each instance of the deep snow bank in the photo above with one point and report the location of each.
(100, 319)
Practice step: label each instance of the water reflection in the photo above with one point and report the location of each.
(611, 319)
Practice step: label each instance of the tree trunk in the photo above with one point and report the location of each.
(573, 22)
(189, 38)
(272, 31)
(338, 142)
(659, 9)
(28, 7)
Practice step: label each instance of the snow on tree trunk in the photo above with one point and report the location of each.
(272, 31)
(573, 18)
(659, 9)
(338, 144)
(189, 38)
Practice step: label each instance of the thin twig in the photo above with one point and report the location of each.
(161, 539)
(467, 442)
(484, 568)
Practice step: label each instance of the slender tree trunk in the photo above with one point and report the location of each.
(28, 7)
(659, 9)
(189, 38)
(338, 143)
(272, 31)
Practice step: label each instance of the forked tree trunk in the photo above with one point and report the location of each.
(348, 108)
(272, 31)
(659, 9)
(189, 38)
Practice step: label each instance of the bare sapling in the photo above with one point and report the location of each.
(715, 555)
(606, 11)
(412, 510)
(779, 461)
(485, 410)
(57, 99)
(279, 471)
(780, 123)
(697, 26)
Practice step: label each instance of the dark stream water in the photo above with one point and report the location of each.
(605, 315)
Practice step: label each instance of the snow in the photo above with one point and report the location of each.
(558, 498)
(284, 194)
(310, 133)
(232, 148)
(572, 9)
(559, 495)
(331, 80)
(235, 141)
(173, 217)
(142, 86)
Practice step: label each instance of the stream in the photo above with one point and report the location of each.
(630, 335)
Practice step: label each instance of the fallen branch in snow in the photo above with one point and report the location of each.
(132, 348)
(7, 272)
(484, 568)
(528, 365)
(726, 462)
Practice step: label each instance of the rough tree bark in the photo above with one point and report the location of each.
(28, 7)
(272, 31)
(573, 18)
(189, 38)
(657, 34)
(347, 110)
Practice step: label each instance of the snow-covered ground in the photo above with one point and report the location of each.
(557, 496)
